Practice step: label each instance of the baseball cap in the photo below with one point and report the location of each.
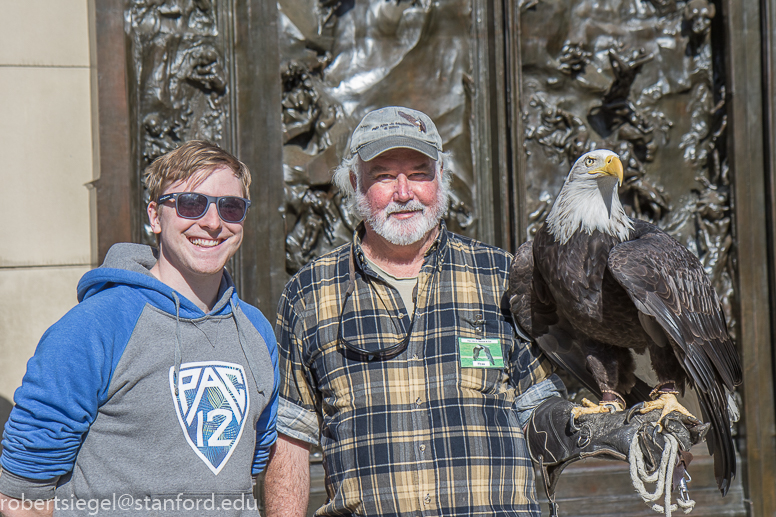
(395, 127)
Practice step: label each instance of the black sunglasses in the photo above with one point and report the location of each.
(377, 352)
(193, 205)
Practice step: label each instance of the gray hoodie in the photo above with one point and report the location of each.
(136, 402)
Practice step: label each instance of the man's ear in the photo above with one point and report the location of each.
(353, 181)
(154, 211)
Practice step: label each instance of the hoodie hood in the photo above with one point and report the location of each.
(130, 264)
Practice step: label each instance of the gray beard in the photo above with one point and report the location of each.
(403, 232)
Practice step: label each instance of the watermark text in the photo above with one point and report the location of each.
(130, 503)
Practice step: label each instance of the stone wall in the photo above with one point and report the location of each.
(46, 145)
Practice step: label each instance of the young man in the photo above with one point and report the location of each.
(158, 391)
(377, 347)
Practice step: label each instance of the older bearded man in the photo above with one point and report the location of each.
(376, 342)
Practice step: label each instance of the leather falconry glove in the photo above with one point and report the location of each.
(555, 441)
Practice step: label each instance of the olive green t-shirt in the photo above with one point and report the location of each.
(405, 286)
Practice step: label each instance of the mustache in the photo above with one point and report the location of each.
(410, 206)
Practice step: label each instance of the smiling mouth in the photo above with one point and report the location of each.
(205, 243)
(404, 212)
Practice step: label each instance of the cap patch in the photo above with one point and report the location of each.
(417, 122)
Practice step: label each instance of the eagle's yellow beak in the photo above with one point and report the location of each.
(612, 167)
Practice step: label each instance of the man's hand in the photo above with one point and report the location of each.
(287, 481)
(10, 507)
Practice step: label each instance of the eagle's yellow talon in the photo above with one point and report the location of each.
(666, 403)
(591, 408)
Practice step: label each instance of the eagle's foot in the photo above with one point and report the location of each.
(591, 408)
(667, 403)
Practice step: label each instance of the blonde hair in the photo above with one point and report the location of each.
(195, 158)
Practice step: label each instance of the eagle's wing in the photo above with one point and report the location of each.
(529, 299)
(533, 308)
(668, 283)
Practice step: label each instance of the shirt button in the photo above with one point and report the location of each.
(427, 499)
(422, 447)
(418, 402)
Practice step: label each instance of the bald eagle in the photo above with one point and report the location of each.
(595, 285)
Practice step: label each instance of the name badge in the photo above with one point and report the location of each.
(480, 353)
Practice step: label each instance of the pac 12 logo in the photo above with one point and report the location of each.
(211, 404)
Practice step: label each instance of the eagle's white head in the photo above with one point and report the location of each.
(588, 200)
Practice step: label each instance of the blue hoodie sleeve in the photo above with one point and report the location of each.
(66, 381)
(266, 430)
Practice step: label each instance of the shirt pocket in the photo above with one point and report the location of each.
(484, 380)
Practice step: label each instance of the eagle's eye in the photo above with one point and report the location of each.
(589, 161)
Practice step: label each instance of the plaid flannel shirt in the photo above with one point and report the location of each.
(415, 434)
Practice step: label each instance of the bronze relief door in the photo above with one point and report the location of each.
(680, 89)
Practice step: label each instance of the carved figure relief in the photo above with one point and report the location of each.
(637, 77)
(341, 59)
(177, 78)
